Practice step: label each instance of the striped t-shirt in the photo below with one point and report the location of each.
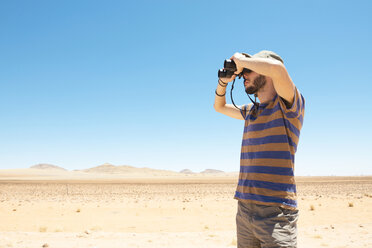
(269, 144)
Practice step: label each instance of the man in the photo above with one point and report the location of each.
(266, 192)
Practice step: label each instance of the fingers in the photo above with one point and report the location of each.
(236, 56)
(239, 70)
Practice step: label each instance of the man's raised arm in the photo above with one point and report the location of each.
(272, 68)
(220, 100)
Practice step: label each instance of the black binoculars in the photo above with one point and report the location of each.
(229, 69)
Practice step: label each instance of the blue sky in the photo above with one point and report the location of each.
(132, 82)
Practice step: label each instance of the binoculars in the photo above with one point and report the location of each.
(229, 69)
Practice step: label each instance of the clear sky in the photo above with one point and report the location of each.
(132, 82)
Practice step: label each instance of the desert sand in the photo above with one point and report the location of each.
(57, 208)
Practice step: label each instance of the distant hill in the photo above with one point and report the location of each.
(47, 167)
(113, 169)
(108, 168)
(187, 171)
(105, 168)
(211, 171)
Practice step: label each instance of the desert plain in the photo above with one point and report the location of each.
(53, 208)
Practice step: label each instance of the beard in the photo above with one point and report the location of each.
(258, 83)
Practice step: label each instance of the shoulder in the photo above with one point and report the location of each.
(295, 108)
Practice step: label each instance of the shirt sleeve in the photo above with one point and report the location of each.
(245, 110)
(298, 106)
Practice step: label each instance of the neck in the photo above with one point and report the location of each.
(266, 93)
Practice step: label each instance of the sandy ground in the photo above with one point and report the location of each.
(170, 212)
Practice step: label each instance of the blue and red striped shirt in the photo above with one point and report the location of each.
(270, 140)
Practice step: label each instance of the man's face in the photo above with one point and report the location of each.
(253, 82)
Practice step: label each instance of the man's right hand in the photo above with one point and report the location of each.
(228, 80)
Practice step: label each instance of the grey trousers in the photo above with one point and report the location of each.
(265, 226)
